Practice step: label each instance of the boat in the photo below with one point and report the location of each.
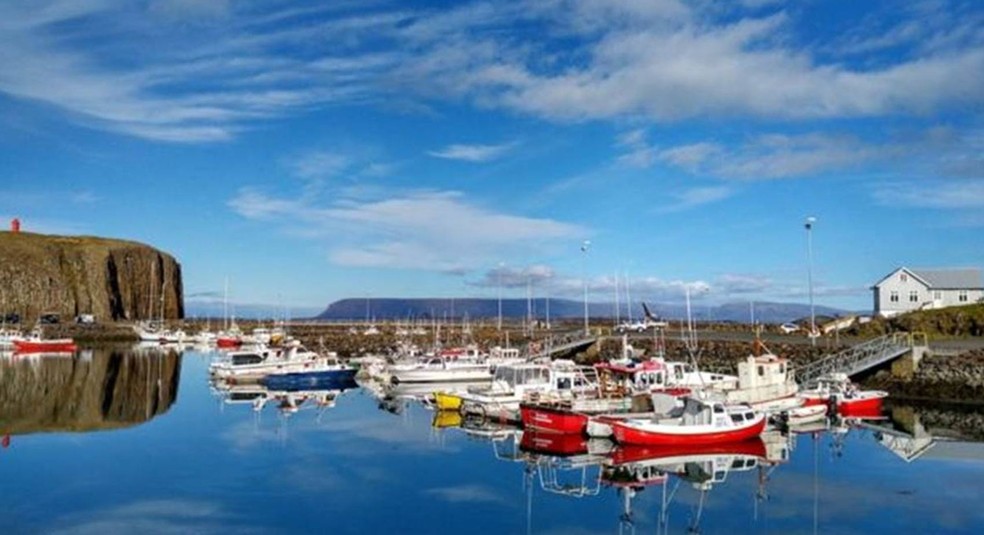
(514, 384)
(447, 401)
(252, 364)
(321, 374)
(842, 395)
(765, 381)
(807, 414)
(698, 422)
(450, 365)
(36, 343)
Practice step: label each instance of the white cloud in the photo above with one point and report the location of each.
(943, 195)
(772, 156)
(472, 153)
(647, 61)
(434, 230)
(694, 197)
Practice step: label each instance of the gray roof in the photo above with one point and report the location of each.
(950, 278)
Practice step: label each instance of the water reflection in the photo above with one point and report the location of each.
(318, 396)
(680, 486)
(90, 390)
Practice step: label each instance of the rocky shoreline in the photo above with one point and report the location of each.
(941, 377)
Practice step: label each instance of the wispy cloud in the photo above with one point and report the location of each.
(952, 194)
(694, 197)
(205, 71)
(409, 230)
(472, 153)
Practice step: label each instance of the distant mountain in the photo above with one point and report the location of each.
(427, 308)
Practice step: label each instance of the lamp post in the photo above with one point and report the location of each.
(584, 277)
(498, 291)
(809, 256)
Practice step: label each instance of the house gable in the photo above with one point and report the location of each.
(905, 270)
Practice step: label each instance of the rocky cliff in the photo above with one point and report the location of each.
(104, 390)
(71, 275)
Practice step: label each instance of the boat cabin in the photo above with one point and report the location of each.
(763, 370)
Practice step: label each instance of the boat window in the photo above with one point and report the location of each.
(718, 408)
(241, 360)
(737, 464)
(659, 378)
(750, 415)
(782, 367)
(563, 383)
(737, 418)
(761, 370)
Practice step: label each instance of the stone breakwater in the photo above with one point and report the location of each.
(958, 378)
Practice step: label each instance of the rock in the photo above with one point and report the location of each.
(111, 279)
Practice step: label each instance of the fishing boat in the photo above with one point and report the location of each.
(252, 364)
(765, 381)
(36, 343)
(698, 422)
(449, 365)
(515, 383)
(842, 395)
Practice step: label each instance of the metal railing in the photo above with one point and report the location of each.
(861, 357)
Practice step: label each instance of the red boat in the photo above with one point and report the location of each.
(837, 390)
(228, 341)
(698, 423)
(552, 419)
(37, 345)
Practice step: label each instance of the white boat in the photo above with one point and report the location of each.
(806, 414)
(513, 384)
(252, 364)
(766, 382)
(8, 336)
(442, 369)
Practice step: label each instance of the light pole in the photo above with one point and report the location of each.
(809, 256)
(498, 291)
(584, 277)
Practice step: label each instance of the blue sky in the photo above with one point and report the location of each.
(311, 152)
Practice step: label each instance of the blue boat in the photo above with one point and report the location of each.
(339, 378)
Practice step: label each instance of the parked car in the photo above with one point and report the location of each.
(787, 328)
(85, 319)
(48, 319)
(11, 317)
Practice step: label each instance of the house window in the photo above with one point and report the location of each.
(962, 296)
(894, 296)
(903, 277)
(913, 296)
(937, 295)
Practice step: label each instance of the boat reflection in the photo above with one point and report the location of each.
(316, 395)
(89, 390)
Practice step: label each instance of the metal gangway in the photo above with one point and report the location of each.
(549, 347)
(861, 357)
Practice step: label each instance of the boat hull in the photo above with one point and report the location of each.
(870, 405)
(634, 432)
(303, 380)
(45, 346)
(447, 402)
(441, 376)
(552, 419)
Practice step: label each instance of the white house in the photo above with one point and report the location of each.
(913, 289)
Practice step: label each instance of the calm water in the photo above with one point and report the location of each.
(125, 442)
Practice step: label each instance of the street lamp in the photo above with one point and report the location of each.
(809, 255)
(584, 276)
(498, 291)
